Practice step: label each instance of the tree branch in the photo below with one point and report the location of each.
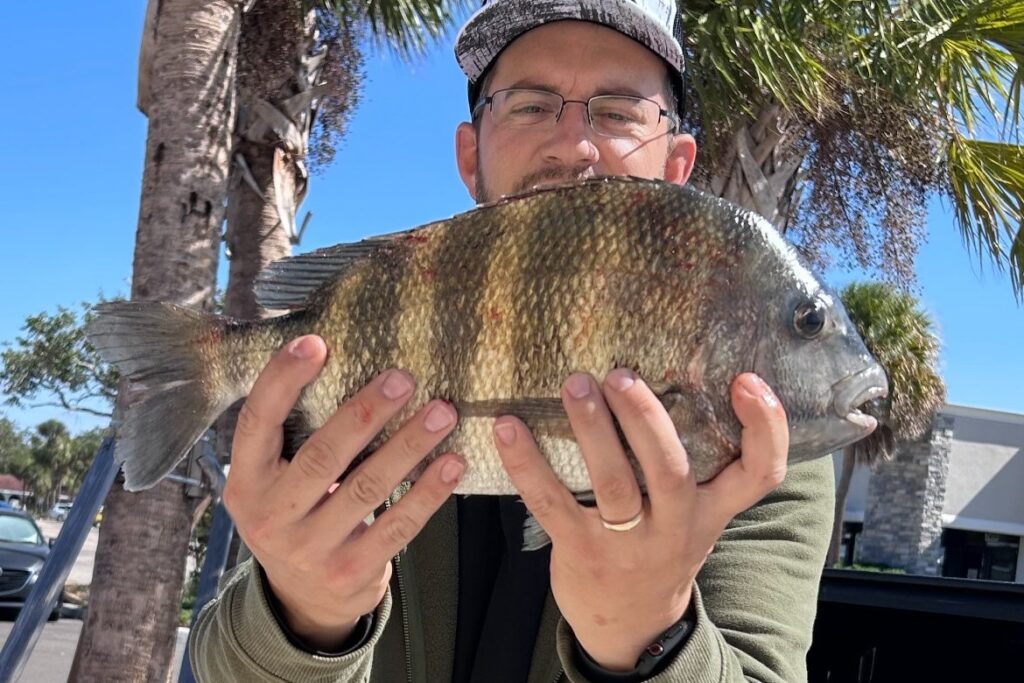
(75, 409)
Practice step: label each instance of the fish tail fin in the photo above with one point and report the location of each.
(171, 399)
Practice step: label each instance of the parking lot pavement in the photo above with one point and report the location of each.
(51, 659)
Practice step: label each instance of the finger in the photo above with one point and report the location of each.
(369, 485)
(397, 527)
(654, 441)
(328, 452)
(544, 495)
(257, 440)
(614, 481)
(764, 448)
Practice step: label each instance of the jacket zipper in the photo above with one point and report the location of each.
(406, 637)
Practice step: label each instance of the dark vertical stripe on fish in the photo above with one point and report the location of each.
(373, 314)
(543, 312)
(460, 270)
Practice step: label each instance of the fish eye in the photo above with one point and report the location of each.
(809, 318)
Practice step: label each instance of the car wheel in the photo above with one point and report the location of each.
(54, 615)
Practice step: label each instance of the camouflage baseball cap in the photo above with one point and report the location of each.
(652, 23)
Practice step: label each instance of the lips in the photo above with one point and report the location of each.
(853, 392)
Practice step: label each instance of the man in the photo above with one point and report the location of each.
(617, 597)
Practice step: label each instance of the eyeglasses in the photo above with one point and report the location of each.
(613, 116)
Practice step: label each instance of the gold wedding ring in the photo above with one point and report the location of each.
(623, 526)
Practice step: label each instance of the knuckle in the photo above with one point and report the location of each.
(774, 476)
(540, 503)
(360, 410)
(615, 489)
(645, 406)
(412, 445)
(425, 497)
(259, 531)
(669, 486)
(232, 498)
(399, 529)
(248, 422)
(317, 460)
(367, 488)
(517, 464)
(343, 576)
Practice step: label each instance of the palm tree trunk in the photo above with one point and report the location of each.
(760, 170)
(130, 628)
(842, 493)
(277, 74)
(268, 178)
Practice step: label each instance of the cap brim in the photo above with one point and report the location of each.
(495, 25)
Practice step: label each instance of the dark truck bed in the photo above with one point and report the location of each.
(882, 628)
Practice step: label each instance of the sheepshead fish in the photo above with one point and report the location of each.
(492, 309)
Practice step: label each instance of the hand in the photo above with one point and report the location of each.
(619, 590)
(325, 565)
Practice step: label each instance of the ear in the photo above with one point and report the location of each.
(466, 156)
(681, 155)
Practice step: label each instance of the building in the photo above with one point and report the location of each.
(950, 505)
(12, 491)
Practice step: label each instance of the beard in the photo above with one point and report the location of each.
(549, 175)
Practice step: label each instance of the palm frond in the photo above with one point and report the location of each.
(986, 185)
(756, 49)
(407, 27)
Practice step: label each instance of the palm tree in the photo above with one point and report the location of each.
(53, 452)
(865, 109)
(187, 91)
(902, 337)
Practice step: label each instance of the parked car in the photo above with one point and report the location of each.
(23, 550)
(59, 511)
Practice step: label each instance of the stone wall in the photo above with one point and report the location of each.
(903, 516)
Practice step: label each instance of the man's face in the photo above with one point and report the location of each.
(577, 60)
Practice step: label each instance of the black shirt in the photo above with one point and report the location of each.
(502, 590)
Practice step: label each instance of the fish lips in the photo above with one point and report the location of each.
(846, 424)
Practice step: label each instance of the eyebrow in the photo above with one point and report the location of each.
(614, 89)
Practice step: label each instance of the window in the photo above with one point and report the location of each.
(979, 555)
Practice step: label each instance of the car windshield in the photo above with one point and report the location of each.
(18, 530)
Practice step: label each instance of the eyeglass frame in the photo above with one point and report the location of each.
(662, 112)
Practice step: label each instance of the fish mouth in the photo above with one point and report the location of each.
(854, 391)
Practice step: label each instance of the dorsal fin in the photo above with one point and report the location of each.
(287, 284)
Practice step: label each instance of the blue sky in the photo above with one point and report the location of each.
(73, 145)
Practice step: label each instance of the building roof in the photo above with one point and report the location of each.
(11, 483)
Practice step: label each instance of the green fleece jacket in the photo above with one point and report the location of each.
(755, 603)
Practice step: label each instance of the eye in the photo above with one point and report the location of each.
(809, 319)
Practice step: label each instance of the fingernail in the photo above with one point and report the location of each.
(303, 348)
(756, 388)
(578, 386)
(506, 433)
(451, 471)
(396, 385)
(620, 379)
(437, 418)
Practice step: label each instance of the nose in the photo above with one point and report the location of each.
(571, 140)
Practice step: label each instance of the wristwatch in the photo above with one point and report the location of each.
(652, 661)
